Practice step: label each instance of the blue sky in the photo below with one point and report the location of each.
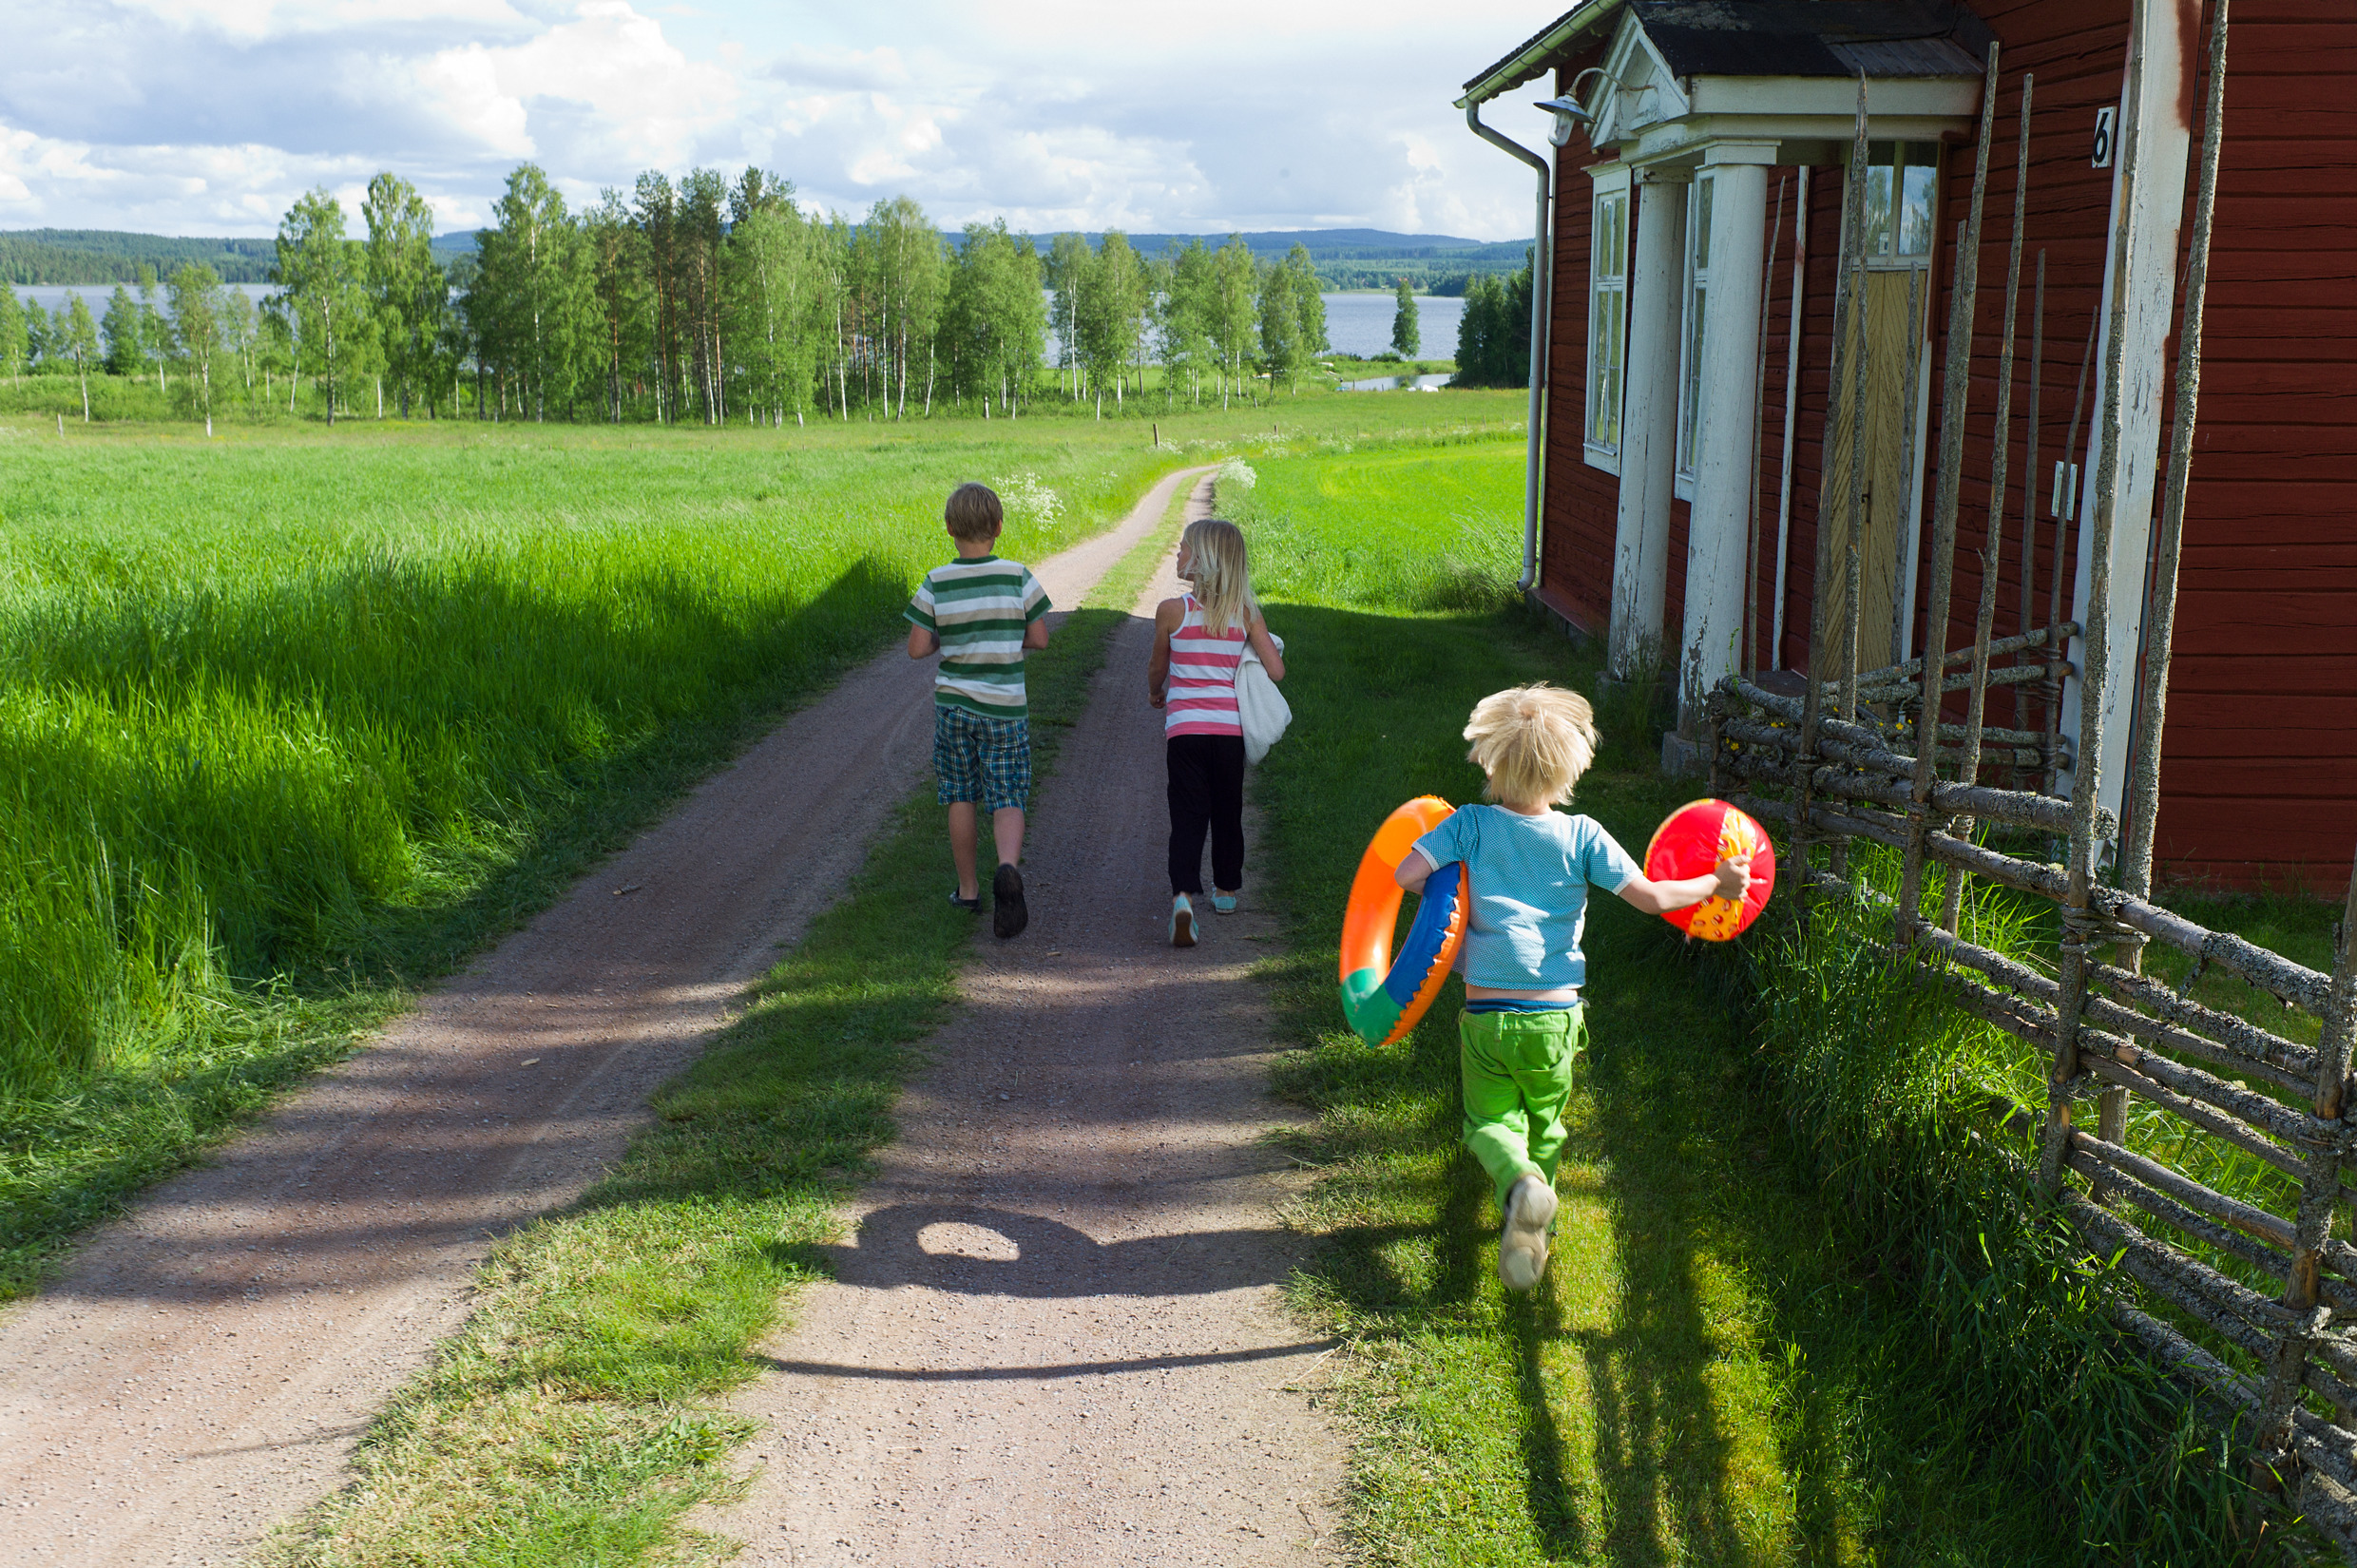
(209, 116)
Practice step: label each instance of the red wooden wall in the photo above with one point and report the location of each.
(1576, 534)
(2259, 762)
(2260, 755)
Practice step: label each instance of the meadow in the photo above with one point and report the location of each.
(294, 719)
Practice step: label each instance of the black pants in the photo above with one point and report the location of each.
(1206, 792)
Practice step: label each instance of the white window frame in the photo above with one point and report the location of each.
(1608, 317)
(1693, 318)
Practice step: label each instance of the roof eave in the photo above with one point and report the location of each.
(1534, 56)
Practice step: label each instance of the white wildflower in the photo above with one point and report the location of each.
(1026, 500)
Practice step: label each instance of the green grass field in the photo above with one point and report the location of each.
(293, 719)
(1733, 1361)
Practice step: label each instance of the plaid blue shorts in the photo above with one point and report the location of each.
(984, 760)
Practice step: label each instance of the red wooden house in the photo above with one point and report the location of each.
(1697, 225)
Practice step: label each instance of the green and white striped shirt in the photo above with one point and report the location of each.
(980, 608)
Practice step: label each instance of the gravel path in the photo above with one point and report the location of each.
(1055, 1337)
(204, 1364)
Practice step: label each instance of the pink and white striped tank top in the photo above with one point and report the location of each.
(1201, 698)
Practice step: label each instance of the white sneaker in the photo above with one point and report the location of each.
(1181, 921)
(1523, 1244)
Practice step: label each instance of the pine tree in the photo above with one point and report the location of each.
(1407, 328)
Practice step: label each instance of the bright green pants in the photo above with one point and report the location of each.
(1517, 1069)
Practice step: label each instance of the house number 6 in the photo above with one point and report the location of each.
(2103, 120)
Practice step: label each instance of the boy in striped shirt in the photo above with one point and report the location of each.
(981, 613)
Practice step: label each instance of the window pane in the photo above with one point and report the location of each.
(1915, 208)
(1690, 405)
(1878, 209)
(1703, 224)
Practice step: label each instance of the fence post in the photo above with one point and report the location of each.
(1954, 398)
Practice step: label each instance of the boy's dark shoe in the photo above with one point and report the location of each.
(971, 906)
(1007, 914)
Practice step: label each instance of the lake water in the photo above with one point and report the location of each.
(1355, 323)
(52, 296)
(1361, 323)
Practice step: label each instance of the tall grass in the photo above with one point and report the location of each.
(293, 721)
(280, 747)
(1418, 529)
(1886, 1089)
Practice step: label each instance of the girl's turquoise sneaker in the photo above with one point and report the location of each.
(1181, 921)
(1223, 903)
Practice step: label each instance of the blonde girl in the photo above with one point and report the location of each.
(1200, 639)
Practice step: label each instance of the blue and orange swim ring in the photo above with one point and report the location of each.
(1384, 994)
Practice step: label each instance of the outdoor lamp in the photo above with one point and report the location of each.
(1566, 110)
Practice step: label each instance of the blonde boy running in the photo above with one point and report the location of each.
(981, 613)
(1529, 867)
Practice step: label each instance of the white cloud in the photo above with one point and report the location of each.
(211, 115)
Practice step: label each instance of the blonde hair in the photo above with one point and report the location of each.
(1533, 741)
(973, 513)
(1220, 572)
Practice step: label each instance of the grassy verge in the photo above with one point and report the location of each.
(570, 1422)
(296, 721)
(1720, 1368)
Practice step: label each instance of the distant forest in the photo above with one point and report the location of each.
(104, 256)
(1343, 259)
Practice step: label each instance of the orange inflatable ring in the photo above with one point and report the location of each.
(1384, 995)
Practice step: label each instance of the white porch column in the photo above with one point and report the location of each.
(1729, 388)
(1640, 555)
(2164, 145)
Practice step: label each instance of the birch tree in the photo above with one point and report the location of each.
(15, 345)
(196, 294)
(776, 284)
(318, 286)
(1308, 301)
(994, 322)
(1235, 311)
(1280, 326)
(126, 350)
(1187, 307)
(74, 341)
(536, 325)
(407, 289)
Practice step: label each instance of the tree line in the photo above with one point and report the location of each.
(705, 301)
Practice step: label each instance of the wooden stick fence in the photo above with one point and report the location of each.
(2249, 1297)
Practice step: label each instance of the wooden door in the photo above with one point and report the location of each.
(1890, 458)
(1901, 182)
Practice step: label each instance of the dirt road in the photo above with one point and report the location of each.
(204, 1364)
(1055, 1337)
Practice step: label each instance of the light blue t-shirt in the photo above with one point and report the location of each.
(1530, 877)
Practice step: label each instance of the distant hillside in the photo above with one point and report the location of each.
(106, 256)
(1346, 259)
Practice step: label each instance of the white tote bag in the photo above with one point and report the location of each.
(1260, 705)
